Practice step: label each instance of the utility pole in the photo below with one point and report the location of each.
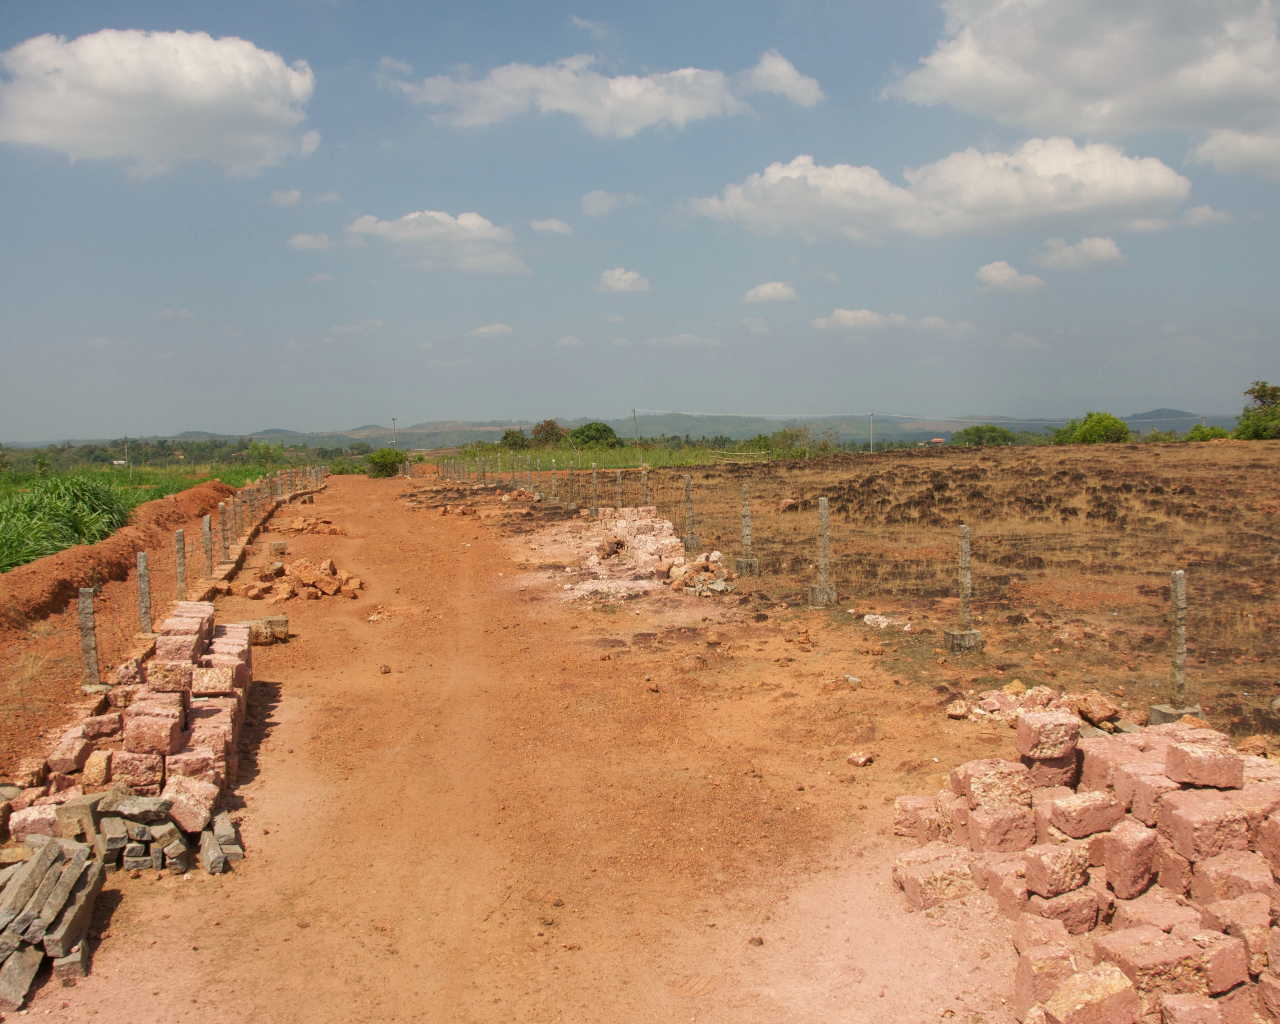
(393, 432)
(873, 433)
(636, 423)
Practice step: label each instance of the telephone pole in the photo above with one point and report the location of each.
(393, 432)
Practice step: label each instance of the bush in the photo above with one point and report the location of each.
(549, 432)
(513, 437)
(1095, 428)
(1202, 433)
(57, 513)
(345, 467)
(600, 434)
(384, 462)
(1261, 420)
(985, 435)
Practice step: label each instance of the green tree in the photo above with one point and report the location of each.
(601, 435)
(1095, 428)
(1261, 420)
(513, 437)
(41, 461)
(359, 448)
(384, 462)
(548, 432)
(984, 436)
(1202, 433)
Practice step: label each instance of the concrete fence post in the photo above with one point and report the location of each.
(595, 491)
(692, 541)
(823, 594)
(570, 505)
(1178, 597)
(88, 639)
(206, 533)
(180, 562)
(537, 490)
(553, 481)
(966, 638)
(222, 526)
(144, 594)
(644, 488)
(746, 565)
(528, 471)
(618, 501)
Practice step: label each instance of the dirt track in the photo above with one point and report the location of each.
(506, 827)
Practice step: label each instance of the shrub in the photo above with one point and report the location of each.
(384, 462)
(513, 437)
(57, 513)
(1095, 428)
(1202, 433)
(345, 467)
(600, 434)
(1261, 420)
(549, 432)
(985, 435)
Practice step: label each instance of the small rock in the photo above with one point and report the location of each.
(756, 940)
(859, 759)
(385, 670)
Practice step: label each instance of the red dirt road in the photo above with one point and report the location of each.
(506, 827)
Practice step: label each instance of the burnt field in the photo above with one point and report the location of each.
(1072, 550)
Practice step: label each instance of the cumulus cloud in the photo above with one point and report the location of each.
(1001, 277)
(555, 227)
(1042, 181)
(867, 319)
(1086, 253)
(311, 243)
(569, 341)
(755, 324)
(619, 280)
(438, 241)
(1099, 68)
(1148, 224)
(770, 291)
(285, 197)
(490, 331)
(1203, 216)
(357, 327)
(607, 107)
(684, 341)
(152, 99)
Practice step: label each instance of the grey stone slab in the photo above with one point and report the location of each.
(962, 641)
(35, 904)
(224, 829)
(176, 861)
(20, 888)
(136, 850)
(137, 863)
(157, 857)
(114, 834)
(61, 892)
(73, 922)
(746, 566)
(822, 595)
(167, 834)
(8, 871)
(137, 832)
(145, 809)
(211, 855)
(16, 976)
(1162, 714)
(232, 851)
(75, 964)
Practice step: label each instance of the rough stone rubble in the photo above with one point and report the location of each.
(1160, 843)
(136, 784)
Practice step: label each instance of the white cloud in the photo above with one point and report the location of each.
(327, 197)
(438, 241)
(155, 98)
(684, 341)
(619, 280)
(174, 314)
(1086, 253)
(867, 319)
(569, 341)
(598, 203)
(319, 278)
(1042, 181)
(617, 107)
(1098, 68)
(555, 227)
(285, 197)
(596, 28)
(357, 327)
(1203, 216)
(490, 331)
(1001, 277)
(1148, 224)
(770, 291)
(311, 243)
(755, 324)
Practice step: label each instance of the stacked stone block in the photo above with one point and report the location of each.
(1164, 843)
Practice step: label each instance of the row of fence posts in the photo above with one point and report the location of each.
(823, 593)
(246, 506)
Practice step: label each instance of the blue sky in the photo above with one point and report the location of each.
(317, 215)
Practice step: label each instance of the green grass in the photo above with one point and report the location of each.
(42, 515)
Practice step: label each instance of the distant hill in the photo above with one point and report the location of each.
(1175, 419)
(274, 431)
